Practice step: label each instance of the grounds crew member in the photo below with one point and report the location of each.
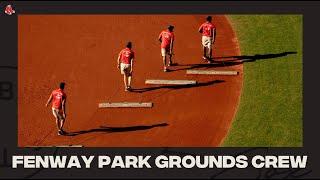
(208, 31)
(166, 39)
(58, 98)
(125, 64)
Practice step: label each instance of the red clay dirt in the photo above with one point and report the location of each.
(81, 50)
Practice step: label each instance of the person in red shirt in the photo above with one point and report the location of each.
(125, 64)
(208, 31)
(166, 39)
(58, 98)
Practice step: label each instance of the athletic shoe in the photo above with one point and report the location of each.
(210, 60)
(128, 89)
(60, 133)
(165, 70)
(63, 132)
(205, 58)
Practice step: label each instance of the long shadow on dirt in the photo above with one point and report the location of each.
(231, 61)
(201, 84)
(116, 129)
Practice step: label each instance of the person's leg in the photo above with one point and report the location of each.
(164, 60)
(204, 52)
(210, 49)
(123, 72)
(58, 124)
(62, 120)
(125, 81)
(61, 123)
(56, 116)
(170, 59)
(204, 49)
(129, 80)
(129, 75)
(209, 60)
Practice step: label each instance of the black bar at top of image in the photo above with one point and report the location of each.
(156, 7)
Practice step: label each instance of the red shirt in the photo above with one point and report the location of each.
(126, 55)
(207, 29)
(57, 97)
(166, 37)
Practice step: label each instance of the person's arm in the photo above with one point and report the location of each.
(131, 65)
(64, 107)
(171, 46)
(49, 100)
(118, 61)
(160, 37)
(214, 34)
(200, 29)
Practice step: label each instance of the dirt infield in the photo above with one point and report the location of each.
(82, 50)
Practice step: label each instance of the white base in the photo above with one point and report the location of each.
(171, 82)
(125, 105)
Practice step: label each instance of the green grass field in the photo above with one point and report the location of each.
(270, 110)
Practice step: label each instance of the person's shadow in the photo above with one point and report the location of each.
(107, 129)
(201, 84)
(232, 60)
(256, 57)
